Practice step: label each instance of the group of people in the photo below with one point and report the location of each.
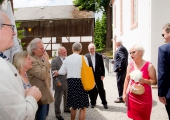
(25, 86)
(139, 106)
(67, 80)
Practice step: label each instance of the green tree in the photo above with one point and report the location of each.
(100, 32)
(96, 6)
(20, 33)
(97, 34)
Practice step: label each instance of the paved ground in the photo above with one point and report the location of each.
(116, 111)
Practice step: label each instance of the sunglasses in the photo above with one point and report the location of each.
(163, 35)
(133, 52)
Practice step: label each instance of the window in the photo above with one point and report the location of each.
(134, 14)
(121, 31)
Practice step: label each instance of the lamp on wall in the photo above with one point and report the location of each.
(29, 29)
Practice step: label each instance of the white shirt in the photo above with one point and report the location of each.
(93, 60)
(62, 59)
(72, 66)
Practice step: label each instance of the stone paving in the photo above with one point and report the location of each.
(116, 111)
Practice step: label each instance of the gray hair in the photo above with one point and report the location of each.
(60, 48)
(139, 48)
(33, 45)
(91, 44)
(77, 46)
(166, 27)
(119, 41)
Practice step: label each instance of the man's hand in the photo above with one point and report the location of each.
(35, 92)
(55, 73)
(102, 77)
(46, 56)
(162, 100)
(59, 84)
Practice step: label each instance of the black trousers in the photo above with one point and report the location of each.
(120, 76)
(168, 107)
(98, 89)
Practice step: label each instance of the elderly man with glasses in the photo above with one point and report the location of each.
(15, 102)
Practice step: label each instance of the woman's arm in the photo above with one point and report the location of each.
(127, 79)
(152, 75)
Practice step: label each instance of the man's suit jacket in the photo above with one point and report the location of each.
(164, 71)
(14, 105)
(55, 65)
(39, 76)
(99, 69)
(120, 59)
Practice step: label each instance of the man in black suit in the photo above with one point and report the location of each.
(96, 62)
(120, 65)
(164, 69)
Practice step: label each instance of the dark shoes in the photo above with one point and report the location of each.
(60, 117)
(93, 106)
(105, 106)
(67, 111)
(119, 100)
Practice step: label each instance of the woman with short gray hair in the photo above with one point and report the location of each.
(77, 97)
(139, 106)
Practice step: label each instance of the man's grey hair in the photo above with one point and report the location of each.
(91, 44)
(139, 48)
(33, 45)
(119, 41)
(60, 48)
(166, 27)
(77, 46)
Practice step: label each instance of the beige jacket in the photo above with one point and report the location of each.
(39, 76)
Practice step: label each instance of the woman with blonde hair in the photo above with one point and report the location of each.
(22, 62)
(139, 106)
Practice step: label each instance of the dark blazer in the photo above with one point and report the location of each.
(164, 71)
(56, 63)
(99, 66)
(120, 59)
(39, 75)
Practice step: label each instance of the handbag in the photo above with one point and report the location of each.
(87, 77)
(137, 89)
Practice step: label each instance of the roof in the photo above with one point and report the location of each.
(50, 13)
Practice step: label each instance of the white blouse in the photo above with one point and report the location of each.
(72, 66)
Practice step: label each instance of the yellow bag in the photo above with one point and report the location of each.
(87, 77)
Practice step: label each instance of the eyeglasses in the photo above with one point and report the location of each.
(133, 52)
(12, 26)
(163, 35)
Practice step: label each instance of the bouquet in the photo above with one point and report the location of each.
(136, 88)
(136, 75)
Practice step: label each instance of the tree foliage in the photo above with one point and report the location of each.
(100, 32)
(96, 6)
(1, 1)
(20, 33)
